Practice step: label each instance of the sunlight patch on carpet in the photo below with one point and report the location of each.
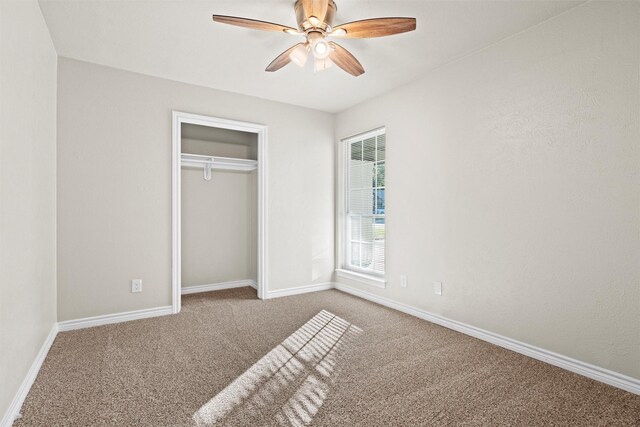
(294, 377)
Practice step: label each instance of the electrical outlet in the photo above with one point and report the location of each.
(403, 281)
(136, 285)
(437, 288)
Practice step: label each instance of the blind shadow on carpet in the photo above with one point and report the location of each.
(295, 376)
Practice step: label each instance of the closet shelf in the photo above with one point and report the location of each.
(198, 160)
(207, 163)
(215, 162)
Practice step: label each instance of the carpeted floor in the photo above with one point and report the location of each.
(321, 359)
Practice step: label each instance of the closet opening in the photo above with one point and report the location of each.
(218, 218)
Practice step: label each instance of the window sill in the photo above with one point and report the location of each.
(367, 279)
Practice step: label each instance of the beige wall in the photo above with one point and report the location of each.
(27, 191)
(219, 237)
(512, 177)
(114, 186)
(197, 139)
(239, 151)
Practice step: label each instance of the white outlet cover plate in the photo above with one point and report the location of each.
(437, 288)
(136, 285)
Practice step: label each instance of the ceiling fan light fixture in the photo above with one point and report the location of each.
(314, 21)
(321, 64)
(339, 32)
(321, 49)
(319, 45)
(299, 55)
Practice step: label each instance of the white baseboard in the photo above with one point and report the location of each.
(591, 371)
(218, 286)
(88, 322)
(300, 290)
(14, 408)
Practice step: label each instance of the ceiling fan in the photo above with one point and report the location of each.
(315, 22)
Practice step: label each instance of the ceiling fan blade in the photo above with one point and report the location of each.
(345, 60)
(377, 27)
(282, 59)
(253, 24)
(317, 8)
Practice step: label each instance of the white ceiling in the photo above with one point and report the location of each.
(176, 39)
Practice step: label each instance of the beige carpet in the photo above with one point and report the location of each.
(322, 359)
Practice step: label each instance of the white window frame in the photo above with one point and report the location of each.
(347, 271)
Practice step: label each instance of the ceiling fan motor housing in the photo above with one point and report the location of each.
(303, 20)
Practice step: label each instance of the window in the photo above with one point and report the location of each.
(365, 203)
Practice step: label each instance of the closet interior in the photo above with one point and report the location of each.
(219, 184)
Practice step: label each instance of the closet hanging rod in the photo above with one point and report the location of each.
(216, 162)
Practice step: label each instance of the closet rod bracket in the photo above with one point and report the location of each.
(207, 170)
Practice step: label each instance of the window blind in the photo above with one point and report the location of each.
(365, 192)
